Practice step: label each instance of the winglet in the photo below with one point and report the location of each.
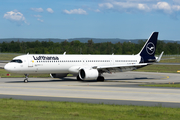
(159, 58)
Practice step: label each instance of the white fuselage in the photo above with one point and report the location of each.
(85, 67)
(55, 63)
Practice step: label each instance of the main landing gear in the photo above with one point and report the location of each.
(100, 79)
(26, 78)
(78, 78)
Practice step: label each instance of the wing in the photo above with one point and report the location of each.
(120, 68)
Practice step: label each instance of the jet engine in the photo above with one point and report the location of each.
(58, 75)
(88, 74)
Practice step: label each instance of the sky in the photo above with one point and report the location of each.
(64, 19)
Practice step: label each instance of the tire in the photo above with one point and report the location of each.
(100, 79)
(78, 78)
(25, 81)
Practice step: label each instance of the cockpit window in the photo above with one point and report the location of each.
(16, 61)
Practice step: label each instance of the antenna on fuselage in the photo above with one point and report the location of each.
(64, 53)
(27, 53)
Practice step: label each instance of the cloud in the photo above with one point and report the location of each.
(106, 5)
(176, 1)
(37, 9)
(38, 16)
(176, 7)
(131, 5)
(15, 16)
(91, 9)
(166, 7)
(75, 11)
(163, 6)
(40, 20)
(49, 10)
(97, 10)
(124, 6)
(140, 5)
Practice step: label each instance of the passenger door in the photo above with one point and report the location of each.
(30, 61)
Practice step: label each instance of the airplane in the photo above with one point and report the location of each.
(85, 67)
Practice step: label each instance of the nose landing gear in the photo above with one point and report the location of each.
(26, 78)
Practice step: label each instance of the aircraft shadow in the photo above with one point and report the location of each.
(74, 80)
(141, 78)
(36, 81)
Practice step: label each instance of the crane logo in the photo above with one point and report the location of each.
(150, 48)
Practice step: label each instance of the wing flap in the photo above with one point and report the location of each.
(120, 68)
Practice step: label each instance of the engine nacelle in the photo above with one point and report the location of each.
(88, 74)
(58, 75)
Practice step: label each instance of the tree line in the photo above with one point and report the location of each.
(77, 47)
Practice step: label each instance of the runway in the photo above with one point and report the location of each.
(120, 88)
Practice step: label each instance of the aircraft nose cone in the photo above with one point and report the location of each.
(7, 67)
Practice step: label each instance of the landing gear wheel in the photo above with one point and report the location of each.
(26, 80)
(78, 78)
(100, 79)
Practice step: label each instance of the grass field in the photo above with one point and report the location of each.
(46, 110)
(160, 68)
(170, 59)
(7, 56)
(3, 73)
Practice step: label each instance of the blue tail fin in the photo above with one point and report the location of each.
(149, 49)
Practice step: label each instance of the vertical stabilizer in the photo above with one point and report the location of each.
(149, 48)
(148, 51)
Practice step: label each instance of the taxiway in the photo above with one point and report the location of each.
(118, 88)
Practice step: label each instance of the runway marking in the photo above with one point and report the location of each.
(167, 77)
(92, 98)
(98, 90)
